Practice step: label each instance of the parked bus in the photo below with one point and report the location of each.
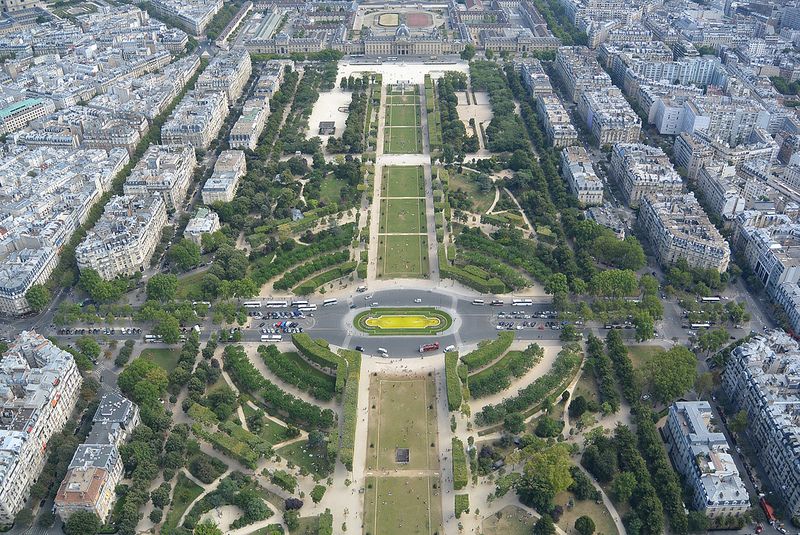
(271, 338)
(275, 304)
(252, 304)
(329, 302)
(712, 299)
(429, 347)
(307, 308)
(300, 303)
(701, 325)
(478, 302)
(522, 302)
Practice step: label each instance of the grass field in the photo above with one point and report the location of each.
(330, 189)
(185, 492)
(402, 140)
(402, 506)
(402, 321)
(402, 256)
(166, 358)
(597, 512)
(641, 355)
(403, 182)
(402, 216)
(298, 454)
(189, 286)
(403, 115)
(481, 200)
(271, 431)
(510, 520)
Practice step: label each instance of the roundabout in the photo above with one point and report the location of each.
(403, 321)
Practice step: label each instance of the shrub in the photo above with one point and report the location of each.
(454, 397)
(460, 476)
(489, 352)
(350, 407)
(461, 504)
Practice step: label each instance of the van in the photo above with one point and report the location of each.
(382, 351)
(478, 302)
(449, 348)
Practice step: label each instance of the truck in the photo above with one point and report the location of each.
(429, 347)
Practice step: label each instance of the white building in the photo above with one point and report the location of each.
(579, 71)
(762, 378)
(641, 169)
(123, 240)
(204, 222)
(248, 128)
(701, 454)
(722, 196)
(555, 119)
(577, 169)
(228, 72)
(196, 120)
(164, 170)
(39, 385)
(677, 227)
(231, 166)
(19, 114)
(609, 117)
(193, 15)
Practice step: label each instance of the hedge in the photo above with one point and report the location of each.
(497, 377)
(462, 504)
(453, 383)
(325, 523)
(312, 284)
(565, 364)
(306, 270)
(489, 352)
(296, 371)
(323, 356)
(486, 286)
(350, 407)
(460, 476)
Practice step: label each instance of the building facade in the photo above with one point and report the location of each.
(577, 169)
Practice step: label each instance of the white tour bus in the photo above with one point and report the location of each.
(252, 304)
(275, 304)
(329, 302)
(307, 308)
(478, 302)
(300, 303)
(522, 302)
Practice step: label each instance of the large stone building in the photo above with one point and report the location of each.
(39, 385)
(609, 117)
(640, 170)
(247, 129)
(123, 240)
(231, 166)
(677, 227)
(164, 170)
(192, 15)
(576, 167)
(196, 120)
(762, 378)
(700, 452)
(228, 72)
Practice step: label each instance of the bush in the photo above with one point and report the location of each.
(296, 373)
(304, 271)
(315, 352)
(497, 377)
(454, 397)
(461, 504)
(489, 352)
(326, 276)
(350, 407)
(285, 481)
(460, 476)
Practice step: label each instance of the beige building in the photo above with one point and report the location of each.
(196, 120)
(576, 167)
(228, 72)
(609, 117)
(554, 117)
(247, 129)
(677, 227)
(39, 385)
(123, 240)
(204, 222)
(17, 115)
(640, 170)
(164, 170)
(231, 166)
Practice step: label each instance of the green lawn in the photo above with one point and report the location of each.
(297, 454)
(330, 189)
(271, 432)
(466, 182)
(402, 418)
(402, 140)
(166, 358)
(402, 506)
(185, 493)
(510, 520)
(641, 355)
(402, 256)
(402, 115)
(597, 512)
(189, 287)
(402, 216)
(406, 181)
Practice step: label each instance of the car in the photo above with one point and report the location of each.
(360, 348)
(382, 351)
(353, 305)
(418, 300)
(374, 304)
(450, 348)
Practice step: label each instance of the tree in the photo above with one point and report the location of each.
(469, 52)
(548, 427)
(623, 486)
(38, 297)
(704, 384)
(544, 526)
(712, 341)
(169, 328)
(160, 496)
(614, 283)
(89, 347)
(738, 422)
(546, 473)
(584, 525)
(185, 254)
(155, 515)
(698, 522)
(645, 327)
(672, 373)
(514, 423)
(82, 523)
(569, 333)
(162, 287)
(558, 287)
(317, 493)
(24, 518)
(207, 528)
(578, 406)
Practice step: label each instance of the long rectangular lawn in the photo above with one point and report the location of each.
(402, 115)
(407, 181)
(402, 256)
(402, 506)
(403, 216)
(402, 140)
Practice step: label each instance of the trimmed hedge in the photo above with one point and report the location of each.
(350, 407)
(460, 476)
(325, 277)
(489, 352)
(454, 397)
(323, 356)
(306, 270)
(296, 371)
(462, 504)
(497, 377)
(487, 286)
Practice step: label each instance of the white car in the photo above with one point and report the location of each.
(418, 300)
(450, 348)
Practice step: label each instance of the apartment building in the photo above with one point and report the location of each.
(609, 117)
(762, 378)
(555, 119)
(96, 467)
(231, 166)
(248, 128)
(123, 240)
(677, 227)
(579, 71)
(270, 77)
(577, 170)
(228, 72)
(192, 15)
(39, 385)
(722, 195)
(640, 170)
(700, 452)
(18, 115)
(196, 120)
(723, 118)
(534, 77)
(770, 243)
(205, 221)
(164, 170)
